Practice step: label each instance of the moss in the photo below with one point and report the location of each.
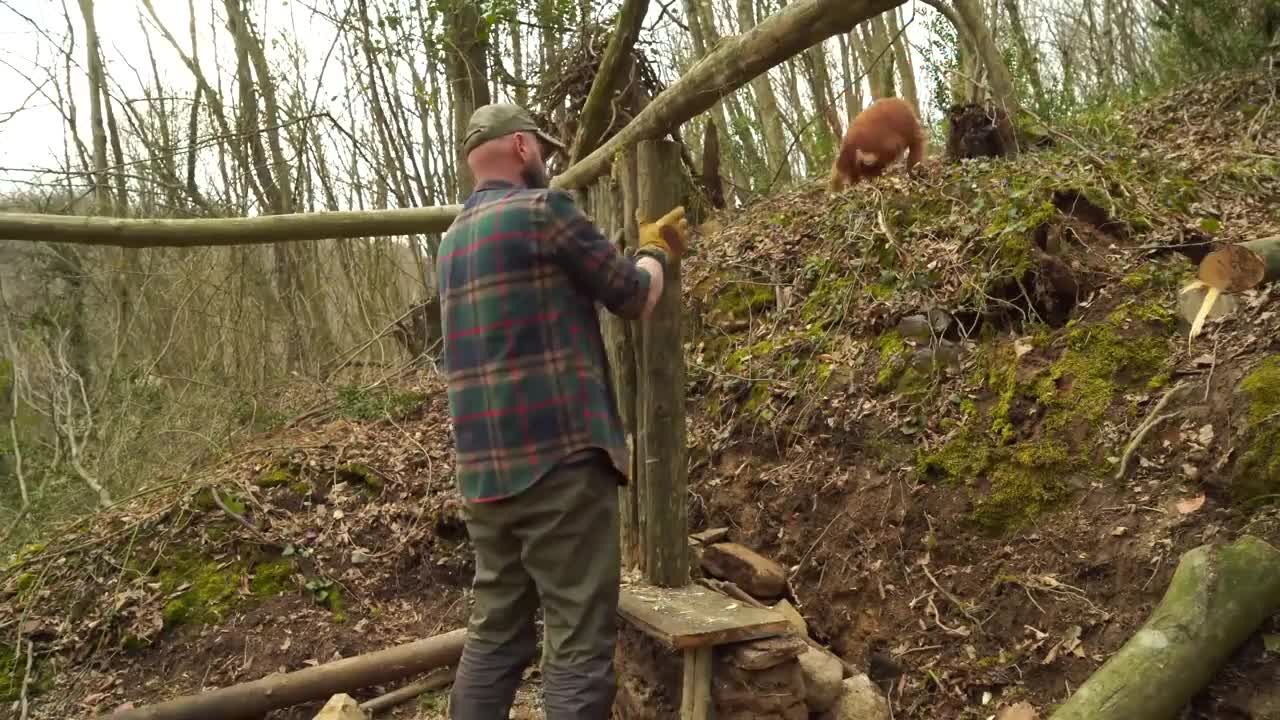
(1258, 474)
(272, 578)
(277, 474)
(758, 401)
(360, 474)
(13, 671)
(210, 590)
(962, 459)
(1025, 485)
(204, 500)
(300, 487)
(893, 352)
(825, 304)
(738, 300)
(1081, 385)
(371, 404)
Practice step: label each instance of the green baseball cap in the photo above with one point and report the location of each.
(494, 121)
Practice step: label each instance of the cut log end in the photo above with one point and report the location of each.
(1232, 268)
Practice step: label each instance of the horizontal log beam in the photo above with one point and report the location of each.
(116, 232)
(254, 699)
(732, 64)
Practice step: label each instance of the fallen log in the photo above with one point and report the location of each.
(434, 681)
(144, 233)
(1232, 269)
(1218, 597)
(254, 699)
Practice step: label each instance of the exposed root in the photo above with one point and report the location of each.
(1153, 418)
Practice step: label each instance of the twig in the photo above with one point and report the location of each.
(1153, 419)
(241, 519)
(950, 597)
(26, 680)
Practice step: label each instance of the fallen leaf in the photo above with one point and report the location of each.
(1189, 505)
(1119, 531)
(1021, 711)
(1191, 471)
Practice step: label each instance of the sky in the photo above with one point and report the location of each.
(31, 128)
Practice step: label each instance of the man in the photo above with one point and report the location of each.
(539, 443)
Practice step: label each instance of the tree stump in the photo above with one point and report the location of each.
(979, 131)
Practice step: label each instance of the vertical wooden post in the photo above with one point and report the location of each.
(625, 359)
(664, 503)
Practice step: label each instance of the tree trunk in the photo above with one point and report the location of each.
(743, 167)
(594, 119)
(1218, 597)
(733, 63)
(902, 59)
(820, 86)
(852, 83)
(876, 59)
(775, 137)
(1030, 59)
(1001, 82)
(467, 65)
(102, 190)
(254, 699)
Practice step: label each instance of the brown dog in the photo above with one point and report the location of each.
(876, 137)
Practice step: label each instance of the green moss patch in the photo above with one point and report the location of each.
(360, 474)
(1258, 472)
(203, 590)
(371, 404)
(277, 474)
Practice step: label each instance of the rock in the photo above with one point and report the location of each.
(925, 327)
(341, 707)
(940, 320)
(914, 327)
(793, 616)
(765, 653)
(929, 359)
(859, 700)
(823, 678)
(757, 575)
(773, 694)
(713, 535)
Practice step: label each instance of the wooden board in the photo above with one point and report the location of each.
(694, 616)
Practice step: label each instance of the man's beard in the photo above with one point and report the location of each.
(535, 176)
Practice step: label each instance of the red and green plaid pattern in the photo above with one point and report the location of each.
(520, 272)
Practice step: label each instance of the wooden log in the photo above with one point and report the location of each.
(116, 232)
(1232, 269)
(664, 489)
(1218, 597)
(611, 73)
(734, 62)
(254, 699)
(399, 696)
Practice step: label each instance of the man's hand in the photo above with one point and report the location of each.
(667, 236)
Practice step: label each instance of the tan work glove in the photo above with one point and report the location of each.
(667, 236)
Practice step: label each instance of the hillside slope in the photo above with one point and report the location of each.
(915, 395)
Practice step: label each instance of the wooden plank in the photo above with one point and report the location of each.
(694, 616)
(695, 700)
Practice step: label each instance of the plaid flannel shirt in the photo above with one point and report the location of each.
(520, 272)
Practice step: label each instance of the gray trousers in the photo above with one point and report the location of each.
(556, 546)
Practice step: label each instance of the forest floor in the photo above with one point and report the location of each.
(944, 493)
